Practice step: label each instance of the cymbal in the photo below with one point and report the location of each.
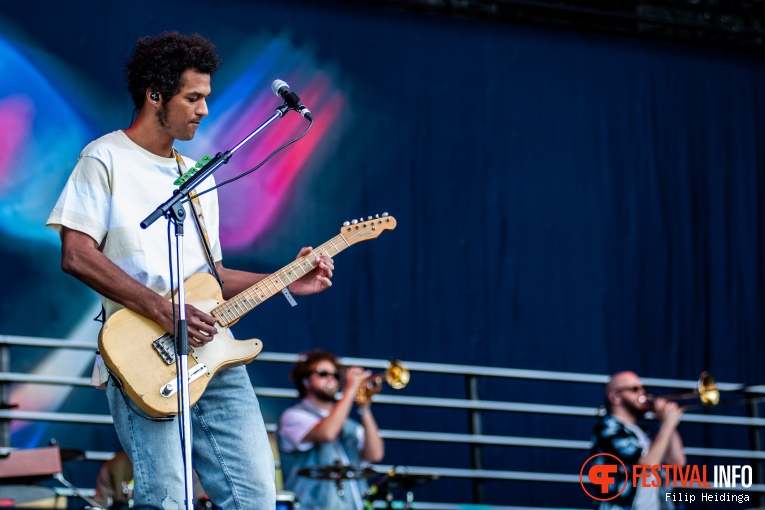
(405, 481)
(337, 472)
(71, 454)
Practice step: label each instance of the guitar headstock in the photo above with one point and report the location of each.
(364, 229)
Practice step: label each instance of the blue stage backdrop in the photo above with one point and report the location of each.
(565, 201)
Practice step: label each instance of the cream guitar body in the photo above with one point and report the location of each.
(142, 355)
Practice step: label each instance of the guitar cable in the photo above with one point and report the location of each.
(129, 404)
(116, 382)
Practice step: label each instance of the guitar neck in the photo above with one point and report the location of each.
(238, 306)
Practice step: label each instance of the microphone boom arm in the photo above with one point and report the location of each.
(208, 169)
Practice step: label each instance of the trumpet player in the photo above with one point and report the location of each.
(618, 433)
(318, 431)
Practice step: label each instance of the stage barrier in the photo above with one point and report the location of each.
(473, 407)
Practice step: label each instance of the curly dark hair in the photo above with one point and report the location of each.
(158, 62)
(305, 364)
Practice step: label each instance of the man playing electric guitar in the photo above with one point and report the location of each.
(119, 179)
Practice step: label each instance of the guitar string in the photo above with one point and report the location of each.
(232, 307)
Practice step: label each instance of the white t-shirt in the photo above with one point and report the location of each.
(296, 423)
(646, 498)
(115, 185)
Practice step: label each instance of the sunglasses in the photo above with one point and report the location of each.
(633, 389)
(324, 373)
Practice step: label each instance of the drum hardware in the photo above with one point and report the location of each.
(392, 482)
(67, 454)
(77, 492)
(397, 377)
(71, 454)
(337, 473)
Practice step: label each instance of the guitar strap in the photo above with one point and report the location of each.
(199, 220)
(100, 374)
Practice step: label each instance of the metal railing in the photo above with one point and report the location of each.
(473, 405)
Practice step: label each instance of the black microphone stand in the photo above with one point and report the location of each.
(174, 211)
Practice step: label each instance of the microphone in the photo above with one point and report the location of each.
(281, 89)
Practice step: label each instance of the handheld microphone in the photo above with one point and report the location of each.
(281, 89)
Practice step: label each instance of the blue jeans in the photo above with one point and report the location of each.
(230, 448)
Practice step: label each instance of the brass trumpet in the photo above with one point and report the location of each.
(706, 391)
(397, 377)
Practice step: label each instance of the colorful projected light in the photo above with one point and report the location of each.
(42, 134)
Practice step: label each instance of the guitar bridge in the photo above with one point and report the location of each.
(165, 346)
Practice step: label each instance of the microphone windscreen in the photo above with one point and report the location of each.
(277, 85)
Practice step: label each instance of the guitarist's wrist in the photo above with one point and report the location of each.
(294, 288)
(162, 313)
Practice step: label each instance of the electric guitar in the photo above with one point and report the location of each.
(142, 355)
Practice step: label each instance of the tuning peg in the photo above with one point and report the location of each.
(346, 223)
(385, 214)
(353, 222)
(369, 218)
(377, 216)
